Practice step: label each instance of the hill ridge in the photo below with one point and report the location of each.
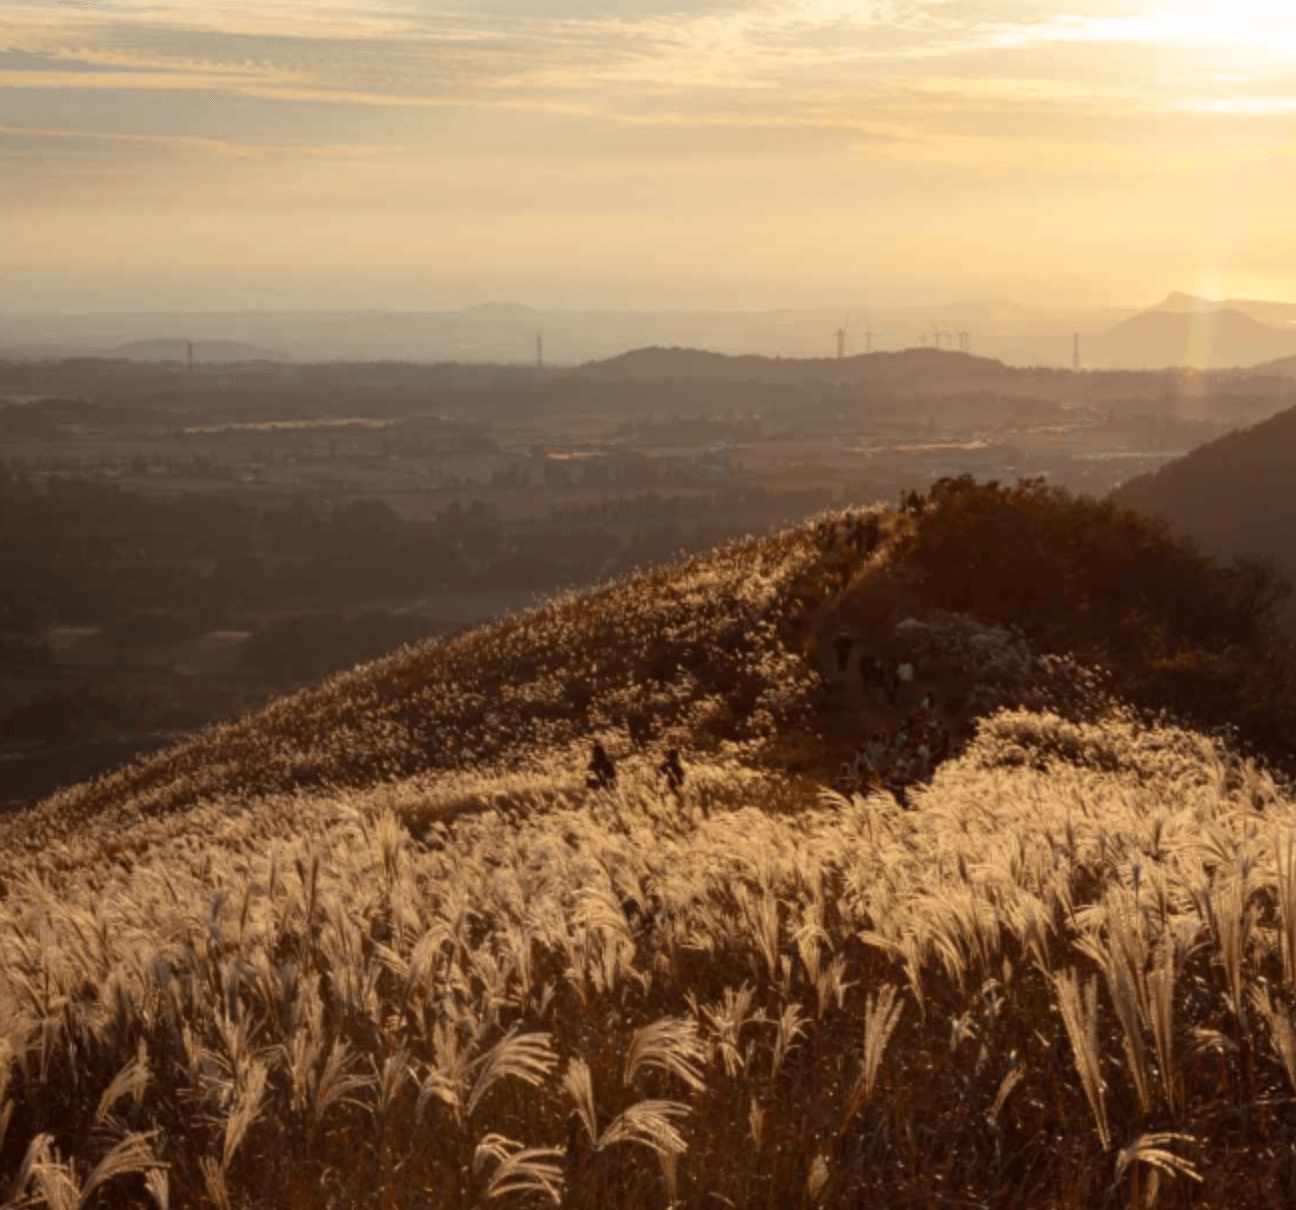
(384, 942)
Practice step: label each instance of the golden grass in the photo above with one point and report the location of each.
(1064, 979)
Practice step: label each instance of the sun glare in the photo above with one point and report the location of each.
(1253, 22)
(1201, 24)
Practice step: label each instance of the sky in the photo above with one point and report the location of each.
(736, 154)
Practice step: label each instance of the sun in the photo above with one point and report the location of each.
(1262, 28)
(1230, 22)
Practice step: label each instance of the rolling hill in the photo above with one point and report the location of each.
(915, 367)
(383, 942)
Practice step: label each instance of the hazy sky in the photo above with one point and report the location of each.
(717, 152)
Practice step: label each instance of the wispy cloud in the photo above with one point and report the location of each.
(695, 110)
(561, 55)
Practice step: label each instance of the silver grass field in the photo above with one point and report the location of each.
(382, 947)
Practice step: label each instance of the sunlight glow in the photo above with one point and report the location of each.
(1194, 23)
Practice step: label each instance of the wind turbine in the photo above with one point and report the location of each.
(841, 337)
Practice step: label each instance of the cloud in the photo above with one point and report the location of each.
(571, 56)
(205, 146)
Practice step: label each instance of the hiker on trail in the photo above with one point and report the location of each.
(603, 773)
(842, 645)
(871, 535)
(904, 677)
(922, 769)
(859, 535)
(900, 779)
(672, 771)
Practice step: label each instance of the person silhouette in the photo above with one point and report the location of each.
(672, 771)
(842, 645)
(602, 771)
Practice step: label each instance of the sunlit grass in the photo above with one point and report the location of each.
(444, 972)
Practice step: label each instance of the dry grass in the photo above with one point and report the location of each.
(1063, 980)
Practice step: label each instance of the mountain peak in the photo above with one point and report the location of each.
(1179, 301)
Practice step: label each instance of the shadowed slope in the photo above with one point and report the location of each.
(1236, 495)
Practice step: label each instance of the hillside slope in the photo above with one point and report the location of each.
(382, 945)
(1235, 495)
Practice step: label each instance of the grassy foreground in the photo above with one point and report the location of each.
(381, 946)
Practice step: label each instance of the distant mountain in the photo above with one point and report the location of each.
(1188, 304)
(1235, 495)
(505, 332)
(1205, 338)
(177, 349)
(1275, 314)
